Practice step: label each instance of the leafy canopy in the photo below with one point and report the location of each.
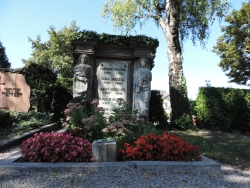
(4, 61)
(56, 53)
(195, 15)
(233, 46)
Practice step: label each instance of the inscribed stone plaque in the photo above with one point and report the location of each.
(14, 92)
(112, 83)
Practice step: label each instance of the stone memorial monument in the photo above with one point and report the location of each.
(116, 71)
(14, 92)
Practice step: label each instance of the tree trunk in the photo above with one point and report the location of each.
(177, 85)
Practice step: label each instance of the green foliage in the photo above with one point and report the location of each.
(87, 35)
(4, 61)
(66, 83)
(9, 70)
(195, 15)
(55, 100)
(94, 124)
(105, 38)
(85, 117)
(182, 123)
(21, 122)
(156, 111)
(78, 108)
(4, 118)
(87, 106)
(32, 118)
(225, 109)
(91, 123)
(179, 101)
(56, 53)
(212, 111)
(233, 46)
(192, 106)
(123, 125)
(39, 78)
(122, 122)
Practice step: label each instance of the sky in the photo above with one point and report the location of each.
(20, 19)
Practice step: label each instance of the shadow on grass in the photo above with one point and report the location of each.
(223, 147)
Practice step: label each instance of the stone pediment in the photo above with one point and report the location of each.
(143, 52)
(83, 47)
(114, 51)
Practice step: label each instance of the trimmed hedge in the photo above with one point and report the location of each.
(224, 109)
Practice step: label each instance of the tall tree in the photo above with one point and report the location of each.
(56, 53)
(233, 46)
(4, 61)
(179, 20)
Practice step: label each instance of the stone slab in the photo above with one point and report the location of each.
(112, 79)
(204, 165)
(19, 138)
(14, 92)
(104, 150)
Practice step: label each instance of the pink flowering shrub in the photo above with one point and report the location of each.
(52, 147)
(74, 114)
(94, 125)
(122, 121)
(85, 118)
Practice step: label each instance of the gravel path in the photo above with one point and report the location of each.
(227, 178)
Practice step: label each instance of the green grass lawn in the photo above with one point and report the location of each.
(227, 148)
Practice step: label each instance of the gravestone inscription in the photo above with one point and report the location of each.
(112, 79)
(14, 92)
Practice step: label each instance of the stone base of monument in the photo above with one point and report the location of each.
(104, 150)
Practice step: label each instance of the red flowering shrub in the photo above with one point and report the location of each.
(52, 147)
(166, 147)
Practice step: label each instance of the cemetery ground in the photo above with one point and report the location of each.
(225, 148)
(232, 150)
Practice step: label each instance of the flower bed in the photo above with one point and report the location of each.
(166, 147)
(87, 121)
(52, 147)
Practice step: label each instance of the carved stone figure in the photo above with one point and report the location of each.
(142, 80)
(81, 76)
